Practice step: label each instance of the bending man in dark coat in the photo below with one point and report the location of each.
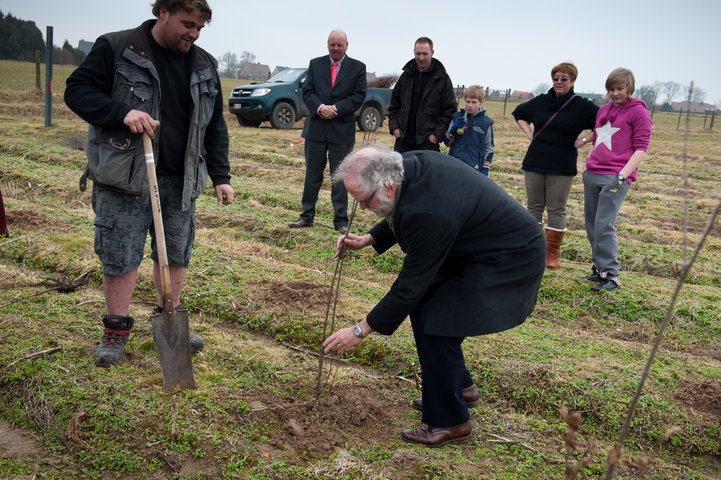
(474, 261)
(333, 90)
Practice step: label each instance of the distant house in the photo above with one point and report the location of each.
(693, 107)
(371, 76)
(255, 71)
(521, 96)
(85, 46)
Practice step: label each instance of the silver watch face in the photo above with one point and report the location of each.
(357, 330)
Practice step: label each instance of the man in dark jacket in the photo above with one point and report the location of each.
(333, 90)
(474, 261)
(130, 80)
(422, 102)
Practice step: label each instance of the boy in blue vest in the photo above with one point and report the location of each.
(470, 135)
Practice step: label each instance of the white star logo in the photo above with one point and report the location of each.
(604, 134)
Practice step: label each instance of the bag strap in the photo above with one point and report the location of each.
(535, 134)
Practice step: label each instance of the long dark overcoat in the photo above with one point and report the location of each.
(474, 248)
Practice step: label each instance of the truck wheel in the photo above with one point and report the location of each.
(244, 122)
(369, 119)
(282, 116)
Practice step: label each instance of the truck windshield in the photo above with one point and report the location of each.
(288, 75)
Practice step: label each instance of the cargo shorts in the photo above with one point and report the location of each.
(122, 223)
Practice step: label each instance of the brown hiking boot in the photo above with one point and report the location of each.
(115, 336)
(470, 395)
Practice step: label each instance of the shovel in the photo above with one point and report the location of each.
(170, 328)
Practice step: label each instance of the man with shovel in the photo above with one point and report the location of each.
(129, 81)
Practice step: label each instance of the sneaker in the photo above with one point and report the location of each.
(115, 335)
(595, 276)
(607, 284)
(196, 343)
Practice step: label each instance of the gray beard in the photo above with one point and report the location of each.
(386, 207)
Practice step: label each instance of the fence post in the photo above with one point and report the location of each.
(678, 124)
(505, 100)
(38, 83)
(49, 79)
(713, 117)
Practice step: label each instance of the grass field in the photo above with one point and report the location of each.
(257, 293)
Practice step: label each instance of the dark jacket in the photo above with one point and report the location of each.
(553, 150)
(435, 108)
(118, 75)
(347, 95)
(474, 145)
(467, 241)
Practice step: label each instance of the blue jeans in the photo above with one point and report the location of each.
(602, 199)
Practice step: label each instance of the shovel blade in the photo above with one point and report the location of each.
(171, 332)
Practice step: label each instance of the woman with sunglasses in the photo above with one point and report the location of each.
(553, 123)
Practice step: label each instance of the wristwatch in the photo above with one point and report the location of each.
(620, 177)
(358, 332)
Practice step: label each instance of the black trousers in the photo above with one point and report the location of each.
(444, 372)
(403, 147)
(317, 154)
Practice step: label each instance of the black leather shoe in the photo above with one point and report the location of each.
(437, 436)
(469, 394)
(342, 229)
(300, 223)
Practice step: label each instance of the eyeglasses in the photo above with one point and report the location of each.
(366, 202)
(560, 79)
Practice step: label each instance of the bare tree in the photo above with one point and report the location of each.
(669, 90)
(246, 57)
(540, 89)
(698, 95)
(229, 66)
(648, 94)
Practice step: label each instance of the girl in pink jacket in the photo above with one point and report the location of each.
(620, 142)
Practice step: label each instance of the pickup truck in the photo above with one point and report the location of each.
(280, 101)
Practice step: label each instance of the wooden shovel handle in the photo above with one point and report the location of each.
(158, 224)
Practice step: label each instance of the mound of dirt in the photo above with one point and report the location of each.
(702, 397)
(291, 295)
(31, 220)
(354, 413)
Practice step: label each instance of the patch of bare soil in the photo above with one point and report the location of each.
(294, 295)
(13, 444)
(350, 412)
(31, 220)
(702, 397)
(76, 141)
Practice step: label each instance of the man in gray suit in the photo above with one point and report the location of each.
(474, 261)
(333, 90)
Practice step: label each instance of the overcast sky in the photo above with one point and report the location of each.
(500, 44)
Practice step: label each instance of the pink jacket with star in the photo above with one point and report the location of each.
(619, 132)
